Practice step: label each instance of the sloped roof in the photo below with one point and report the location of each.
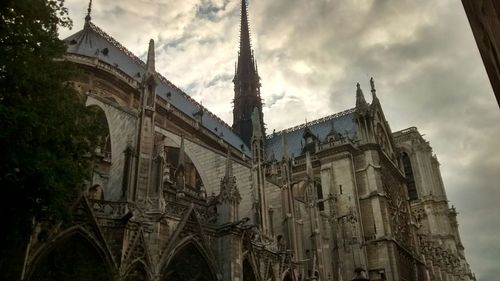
(342, 122)
(93, 42)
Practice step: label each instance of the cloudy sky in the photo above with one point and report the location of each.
(310, 55)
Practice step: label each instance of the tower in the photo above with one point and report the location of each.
(246, 85)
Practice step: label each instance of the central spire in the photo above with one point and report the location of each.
(245, 58)
(246, 84)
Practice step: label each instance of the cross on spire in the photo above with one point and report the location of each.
(245, 45)
(89, 11)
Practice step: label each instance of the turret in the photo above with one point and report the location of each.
(258, 176)
(145, 186)
(229, 197)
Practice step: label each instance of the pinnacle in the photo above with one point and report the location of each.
(150, 63)
(360, 97)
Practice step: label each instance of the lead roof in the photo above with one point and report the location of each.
(342, 122)
(93, 42)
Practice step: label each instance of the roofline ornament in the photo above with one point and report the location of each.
(89, 11)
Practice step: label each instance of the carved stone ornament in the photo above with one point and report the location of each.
(229, 192)
(399, 215)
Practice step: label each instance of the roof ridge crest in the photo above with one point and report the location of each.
(137, 60)
(312, 123)
(117, 44)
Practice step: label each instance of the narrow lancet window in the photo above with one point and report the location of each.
(410, 180)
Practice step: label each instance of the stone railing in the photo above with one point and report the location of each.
(405, 131)
(103, 66)
(110, 209)
(176, 209)
(118, 210)
(312, 123)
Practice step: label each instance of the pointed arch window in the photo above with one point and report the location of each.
(319, 194)
(410, 179)
(189, 263)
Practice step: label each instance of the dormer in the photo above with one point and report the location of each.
(311, 141)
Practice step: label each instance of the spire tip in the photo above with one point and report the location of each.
(89, 11)
(150, 63)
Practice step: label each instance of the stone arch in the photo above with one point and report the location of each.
(211, 166)
(189, 261)
(174, 139)
(137, 271)
(192, 178)
(74, 246)
(122, 129)
(102, 153)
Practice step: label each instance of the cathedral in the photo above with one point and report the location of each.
(178, 194)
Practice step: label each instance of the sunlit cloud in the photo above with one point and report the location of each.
(310, 55)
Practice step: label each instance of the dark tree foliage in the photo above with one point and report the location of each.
(45, 130)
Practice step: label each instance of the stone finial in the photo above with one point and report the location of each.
(180, 178)
(89, 11)
(182, 160)
(374, 91)
(360, 98)
(150, 63)
(309, 168)
(333, 134)
(229, 164)
(257, 130)
(284, 144)
(228, 189)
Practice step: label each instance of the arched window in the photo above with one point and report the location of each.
(319, 194)
(410, 180)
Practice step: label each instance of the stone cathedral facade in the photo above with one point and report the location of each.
(177, 194)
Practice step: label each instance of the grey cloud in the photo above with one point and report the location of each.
(219, 78)
(209, 10)
(172, 44)
(421, 53)
(433, 79)
(274, 99)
